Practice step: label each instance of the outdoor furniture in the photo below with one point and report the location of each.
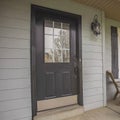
(116, 83)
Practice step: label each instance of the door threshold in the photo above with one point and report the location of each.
(60, 113)
(43, 105)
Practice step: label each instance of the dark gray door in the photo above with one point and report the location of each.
(56, 68)
(114, 50)
(56, 57)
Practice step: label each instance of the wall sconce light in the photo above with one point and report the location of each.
(95, 26)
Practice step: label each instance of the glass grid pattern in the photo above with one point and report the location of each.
(56, 42)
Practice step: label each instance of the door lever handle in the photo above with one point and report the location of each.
(76, 70)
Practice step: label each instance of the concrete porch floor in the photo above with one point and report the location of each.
(99, 114)
(111, 112)
(114, 105)
(60, 113)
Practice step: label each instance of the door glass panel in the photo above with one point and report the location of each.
(58, 56)
(65, 29)
(65, 33)
(48, 41)
(48, 27)
(66, 55)
(57, 28)
(56, 42)
(48, 55)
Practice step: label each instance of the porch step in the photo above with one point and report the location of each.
(60, 113)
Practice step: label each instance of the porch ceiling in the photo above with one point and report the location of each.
(111, 7)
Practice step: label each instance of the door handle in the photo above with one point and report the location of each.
(75, 66)
(76, 70)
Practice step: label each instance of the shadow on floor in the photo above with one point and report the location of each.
(114, 105)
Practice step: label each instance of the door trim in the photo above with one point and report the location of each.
(114, 51)
(77, 18)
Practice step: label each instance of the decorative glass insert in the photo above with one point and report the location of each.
(56, 42)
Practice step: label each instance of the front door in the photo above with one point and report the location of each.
(56, 60)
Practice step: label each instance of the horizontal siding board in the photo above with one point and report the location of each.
(90, 35)
(92, 70)
(16, 114)
(14, 104)
(23, 4)
(92, 99)
(14, 33)
(14, 84)
(15, 93)
(14, 53)
(92, 63)
(91, 48)
(92, 55)
(15, 13)
(91, 85)
(94, 105)
(93, 92)
(6, 95)
(14, 73)
(14, 43)
(87, 41)
(14, 63)
(92, 77)
(14, 23)
(28, 118)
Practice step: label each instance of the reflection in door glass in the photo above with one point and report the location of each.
(57, 28)
(57, 55)
(48, 41)
(66, 56)
(48, 27)
(56, 42)
(48, 55)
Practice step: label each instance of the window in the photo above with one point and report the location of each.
(56, 42)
